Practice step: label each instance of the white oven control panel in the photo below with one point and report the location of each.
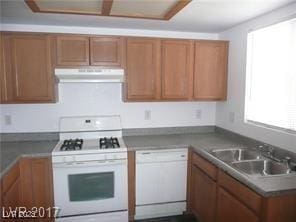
(89, 157)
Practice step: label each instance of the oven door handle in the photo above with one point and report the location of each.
(90, 163)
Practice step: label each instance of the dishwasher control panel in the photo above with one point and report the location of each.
(162, 155)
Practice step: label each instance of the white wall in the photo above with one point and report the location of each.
(237, 78)
(107, 31)
(103, 99)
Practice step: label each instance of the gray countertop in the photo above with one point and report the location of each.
(10, 152)
(202, 143)
(199, 142)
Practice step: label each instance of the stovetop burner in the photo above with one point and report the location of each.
(72, 144)
(109, 143)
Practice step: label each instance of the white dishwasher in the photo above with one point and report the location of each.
(161, 182)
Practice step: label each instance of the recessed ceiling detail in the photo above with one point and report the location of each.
(145, 9)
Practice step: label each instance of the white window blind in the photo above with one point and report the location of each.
(271, 76)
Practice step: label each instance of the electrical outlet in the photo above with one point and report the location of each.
(231, 117)
(198, 114)
(147, 114)
(7, 120)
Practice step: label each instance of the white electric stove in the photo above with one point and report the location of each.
(90, 170)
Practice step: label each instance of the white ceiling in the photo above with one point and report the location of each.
(198, 16)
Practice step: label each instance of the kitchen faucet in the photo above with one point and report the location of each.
(267, 151)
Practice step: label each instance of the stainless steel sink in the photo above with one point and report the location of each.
(262, 167)
(234, 155)
(251, 162)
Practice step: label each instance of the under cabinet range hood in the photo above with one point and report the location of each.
(90, 75)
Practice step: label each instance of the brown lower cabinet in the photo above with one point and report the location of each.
(11, 189)
(131, 164)
(29, 184)
(232, 210)
(215, 196)
(204, 195)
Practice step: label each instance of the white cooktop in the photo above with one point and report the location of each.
(90, 129)
(89, 146)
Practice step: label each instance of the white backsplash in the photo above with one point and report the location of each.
(77, 99)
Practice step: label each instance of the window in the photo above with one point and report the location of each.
(271, 76)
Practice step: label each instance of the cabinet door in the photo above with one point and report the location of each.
(232, 210)
(10, 190)
(203, 195)
(210, 70)
(106, 51)
(131, 164)
(177, 69)
(3, 90)
(30, 68)
(143, 69)
(72, 51)
(36, 178)
(11, 199)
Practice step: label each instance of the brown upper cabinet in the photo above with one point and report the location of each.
(103, 51)
(27, 74)
(210, 70)
(176, 69)
(155, 69)
(106, 51)
(143, 69)
(189, 70)
(72, 51)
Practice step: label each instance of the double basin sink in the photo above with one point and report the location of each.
(251, 162)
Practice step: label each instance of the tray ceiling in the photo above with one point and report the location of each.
(209, 16)
(146, 9)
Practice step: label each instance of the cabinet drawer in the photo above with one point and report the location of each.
(241, 192)
(205, 166)
(10, 177)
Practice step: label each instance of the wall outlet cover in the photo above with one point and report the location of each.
(231, 117)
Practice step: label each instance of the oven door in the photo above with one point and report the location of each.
(90, 187)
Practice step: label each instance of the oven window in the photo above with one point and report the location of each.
(91, 186)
